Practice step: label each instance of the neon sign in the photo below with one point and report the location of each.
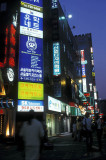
(56, 59)
(2, 64)
(11, 42)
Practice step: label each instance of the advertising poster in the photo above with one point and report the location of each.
(27, 105)
(31, 23)
(31, 59)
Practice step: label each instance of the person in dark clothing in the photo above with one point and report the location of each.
(87, 123)
(99, 130)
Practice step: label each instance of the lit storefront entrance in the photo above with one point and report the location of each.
(7, 119)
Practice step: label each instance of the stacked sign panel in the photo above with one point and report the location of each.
(83, 72)
(30, 75)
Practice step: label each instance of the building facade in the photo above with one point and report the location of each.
(88, 84)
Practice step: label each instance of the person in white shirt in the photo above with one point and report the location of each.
(32, 132)
(99, 130)
(87, 123)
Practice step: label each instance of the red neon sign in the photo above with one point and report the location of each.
(12, 43)
(2, 64)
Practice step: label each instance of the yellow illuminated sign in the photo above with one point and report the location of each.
(32, 91)
(93, 74)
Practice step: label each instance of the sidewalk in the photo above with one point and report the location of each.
(64, 149)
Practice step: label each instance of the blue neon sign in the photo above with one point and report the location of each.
(56, 59)
(83, 71)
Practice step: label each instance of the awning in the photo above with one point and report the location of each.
(72, 104)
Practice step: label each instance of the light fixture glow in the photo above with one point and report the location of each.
(70, 16)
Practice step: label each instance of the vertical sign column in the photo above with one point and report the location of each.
(83, 72)
(30, 75)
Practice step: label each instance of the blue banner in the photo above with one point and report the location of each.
(31, 59)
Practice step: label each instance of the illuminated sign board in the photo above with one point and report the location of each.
(54, 4)
(86, 103)
(83, 71)
(10, 43)
(68, 110)
(31, 23)
(91, 49)
(31, 91)
(56, 59)
(84, 85)
(95, 95)
(31, 59)
(84, 62)
(90, 107)
(54, 104)
(82, 56)
(87, 94)
(34, 2)
(27, 105)
(93, 72)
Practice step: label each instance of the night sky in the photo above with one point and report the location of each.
(89, 16)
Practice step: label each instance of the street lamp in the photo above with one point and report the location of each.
(70, 16)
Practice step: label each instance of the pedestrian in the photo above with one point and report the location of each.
(32, 132)
(79, 128)
(74, 130)
(87, 123)
(99, 130)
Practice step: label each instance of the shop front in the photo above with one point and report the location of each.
(53, 116)
(7, 119)
(58, 116)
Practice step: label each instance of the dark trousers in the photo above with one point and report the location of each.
(89, 140)
(99, 135)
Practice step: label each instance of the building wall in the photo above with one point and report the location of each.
(84, 42)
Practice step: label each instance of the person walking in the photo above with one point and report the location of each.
(87, 123)
(32, 132)
(99, 130)
(74, 130)
(79, 127)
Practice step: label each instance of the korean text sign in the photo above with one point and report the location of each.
(27, 105)
(31, 59)
(31, 91)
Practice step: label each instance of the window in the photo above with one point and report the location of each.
(3, 7)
